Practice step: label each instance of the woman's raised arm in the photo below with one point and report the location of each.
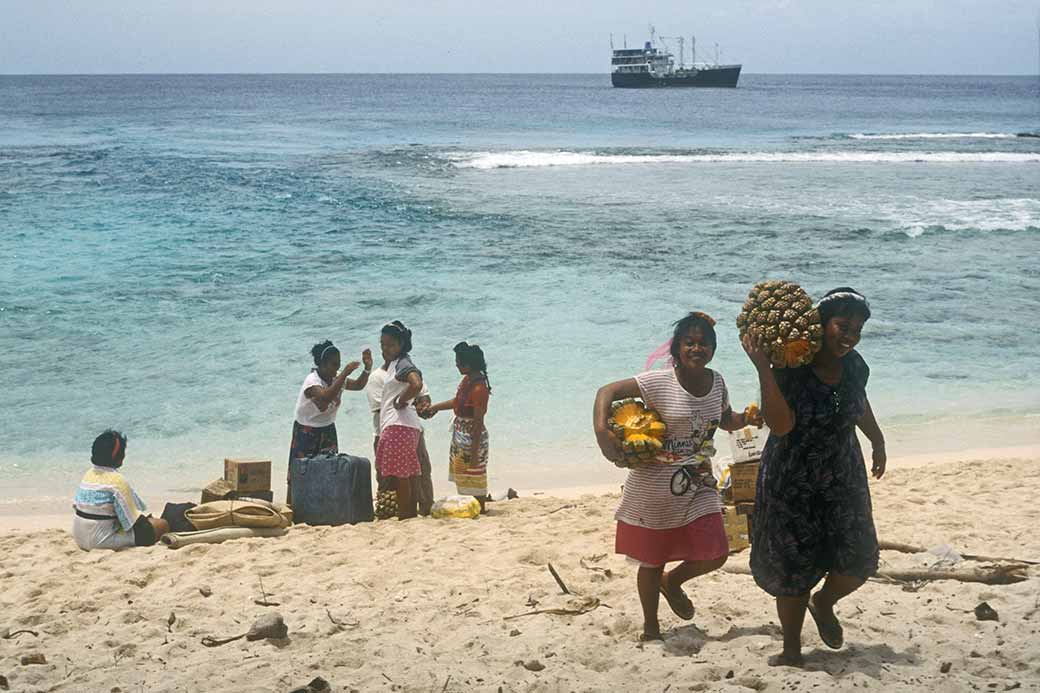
(324, 396)
(775, 411)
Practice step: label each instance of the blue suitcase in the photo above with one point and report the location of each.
(330, 489)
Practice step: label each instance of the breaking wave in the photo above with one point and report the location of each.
(934, 136)
(926, 216)
(536, 159)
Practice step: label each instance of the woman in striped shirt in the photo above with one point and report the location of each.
(654, 525)
(109, 513)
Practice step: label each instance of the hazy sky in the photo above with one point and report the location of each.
(846, 36)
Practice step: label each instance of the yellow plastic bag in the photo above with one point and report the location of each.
(462, 507)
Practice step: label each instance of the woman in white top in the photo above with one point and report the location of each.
(314, 427)
(397, 458)
(422, 485)
(655, 523)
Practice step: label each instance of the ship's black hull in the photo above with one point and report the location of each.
(719, 77)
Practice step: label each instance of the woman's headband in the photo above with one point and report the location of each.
(325, 351)
(843, 294)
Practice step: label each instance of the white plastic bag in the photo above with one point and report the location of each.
(462, 507)
(747, 443)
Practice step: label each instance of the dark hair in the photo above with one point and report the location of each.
(322, 350)
(472, 356)
(701, 321)
(402, 334)
(109, 449)
(843, 302)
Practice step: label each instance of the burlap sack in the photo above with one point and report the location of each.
(235, 513)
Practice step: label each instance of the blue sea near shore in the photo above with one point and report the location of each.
(172, 246)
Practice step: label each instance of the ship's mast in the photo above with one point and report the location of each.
(682, 47)
(693, 50)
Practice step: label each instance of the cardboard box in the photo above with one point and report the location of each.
(747, 510)
(736, 529)
(743, 478)
(216, 490)
(254, 495)
(248, 475)
(221, 490)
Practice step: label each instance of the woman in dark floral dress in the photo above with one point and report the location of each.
(812, 508)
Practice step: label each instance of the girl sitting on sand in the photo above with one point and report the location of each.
(655, 526)
(397, 458)
(109, 514)
(468, 457)
(314, 426)
(813, 516)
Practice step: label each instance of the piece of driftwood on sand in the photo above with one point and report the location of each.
(910, 548)
(994, 575)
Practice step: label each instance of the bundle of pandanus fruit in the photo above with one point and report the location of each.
(639, 429)
(780, 319)
(386, 505)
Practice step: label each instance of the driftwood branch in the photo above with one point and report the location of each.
(910, 548)
(596, 569)
(588, 605)
(559, 580)
(216, 642)
(265, 601)
(997, 575)
(7, 635)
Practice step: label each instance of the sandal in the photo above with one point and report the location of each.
(831, 633)
(681, 605)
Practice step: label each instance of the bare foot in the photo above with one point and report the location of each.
(785, 659)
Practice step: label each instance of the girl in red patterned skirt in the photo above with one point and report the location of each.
(397, 457)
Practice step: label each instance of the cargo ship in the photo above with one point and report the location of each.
(650, 66)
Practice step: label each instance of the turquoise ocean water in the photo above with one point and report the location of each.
(171, 247)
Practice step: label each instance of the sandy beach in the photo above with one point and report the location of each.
(444, 605)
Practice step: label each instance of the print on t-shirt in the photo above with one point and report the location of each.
(700, 445)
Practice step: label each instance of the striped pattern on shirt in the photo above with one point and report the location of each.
(647, 500)
(104, 491)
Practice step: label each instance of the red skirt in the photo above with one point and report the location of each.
(398, 452)
(704, 539)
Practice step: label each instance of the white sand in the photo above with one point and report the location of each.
(429, 599)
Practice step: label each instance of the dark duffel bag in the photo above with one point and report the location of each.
(173, 513)
(330, 489)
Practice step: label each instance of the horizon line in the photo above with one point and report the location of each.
(421, 74)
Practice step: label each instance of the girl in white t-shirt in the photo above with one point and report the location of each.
(397, 458)
(314, 426)
(656, 526)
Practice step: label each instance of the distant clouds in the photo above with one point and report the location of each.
(883, 36)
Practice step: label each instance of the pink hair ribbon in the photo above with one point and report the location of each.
(658, 353)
